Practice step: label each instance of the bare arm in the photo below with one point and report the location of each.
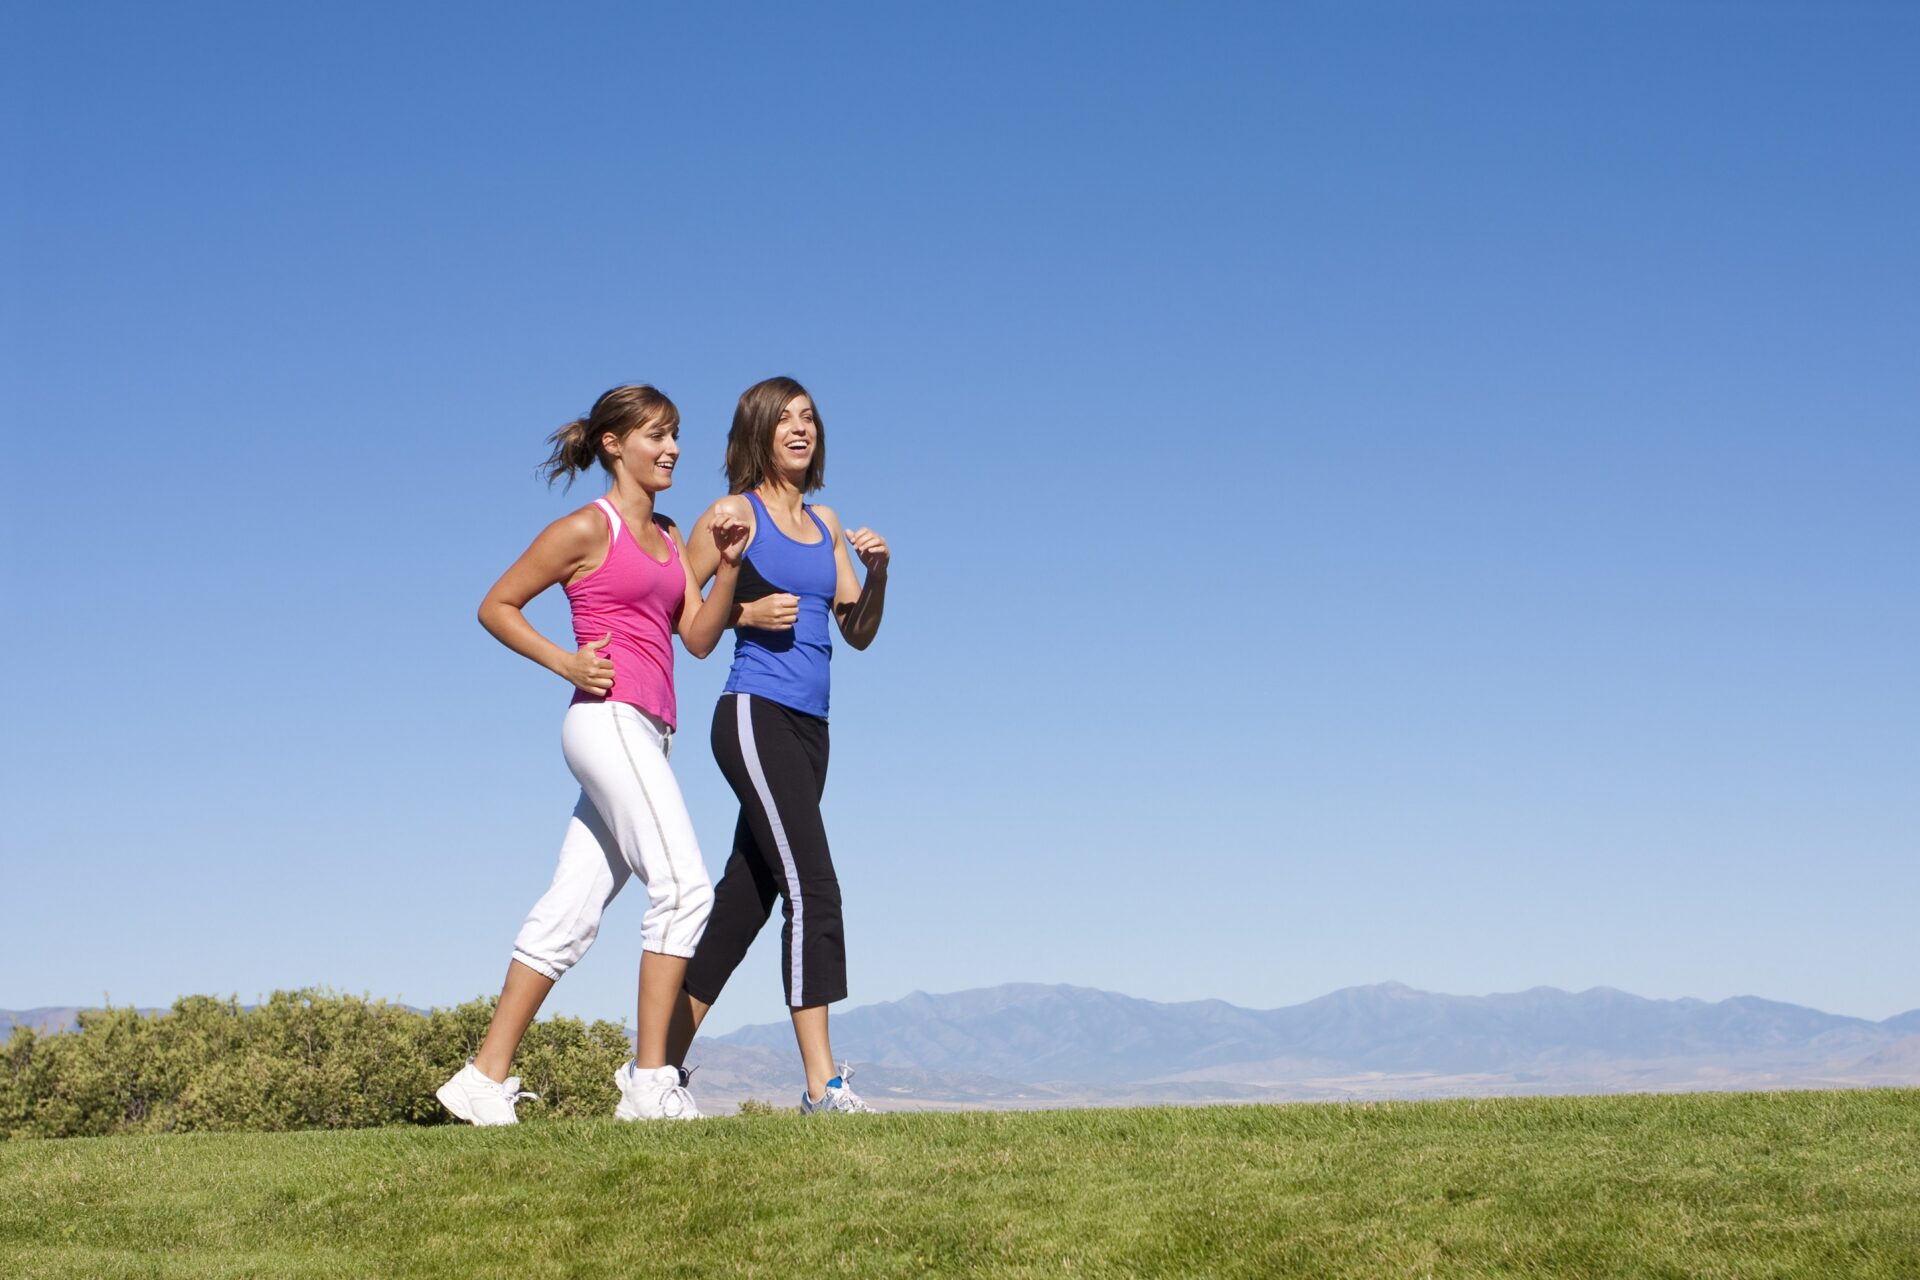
(721, 538)
(769, 613)
(564, 549)
(703, 557)
(857, 606)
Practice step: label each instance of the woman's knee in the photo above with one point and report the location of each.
(696, 905)
(552, 952)
(677, 917)
(821, 890)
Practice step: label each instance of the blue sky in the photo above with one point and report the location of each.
(1377, 491)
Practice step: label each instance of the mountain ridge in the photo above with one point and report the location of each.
(1049, 1033)
(1049, 1045)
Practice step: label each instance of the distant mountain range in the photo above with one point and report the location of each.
(48, 1019)
(1025, 1045)
(1035, 1045)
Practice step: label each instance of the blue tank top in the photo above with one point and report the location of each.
(788, 667)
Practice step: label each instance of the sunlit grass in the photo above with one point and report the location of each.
(1802, 1184)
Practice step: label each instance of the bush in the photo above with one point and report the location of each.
(307, 1059)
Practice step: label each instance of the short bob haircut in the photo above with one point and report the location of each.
(750, 441)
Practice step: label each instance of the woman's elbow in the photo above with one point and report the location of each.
(496, 616)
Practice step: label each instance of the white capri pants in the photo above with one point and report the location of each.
(630, 821)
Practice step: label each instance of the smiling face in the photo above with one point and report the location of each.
(796, 438)
(647, 453)
(777, 438)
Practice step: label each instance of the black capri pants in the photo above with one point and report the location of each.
(775, 759)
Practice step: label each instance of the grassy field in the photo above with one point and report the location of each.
(1803, 1184)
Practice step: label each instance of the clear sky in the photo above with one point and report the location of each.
(1377, 490)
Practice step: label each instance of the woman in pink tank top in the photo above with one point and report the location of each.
(623, 567)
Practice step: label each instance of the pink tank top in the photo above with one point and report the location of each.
(636, 598)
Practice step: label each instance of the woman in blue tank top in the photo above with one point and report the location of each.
(796, 583)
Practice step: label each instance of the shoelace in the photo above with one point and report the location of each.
(849, 1101)
(675, 1101)
(510, 1090)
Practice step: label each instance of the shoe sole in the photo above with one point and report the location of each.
(626, 1111)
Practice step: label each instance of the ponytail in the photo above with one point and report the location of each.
(572, 451)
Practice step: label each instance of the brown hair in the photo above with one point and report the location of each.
(750, 441)
(576, 446)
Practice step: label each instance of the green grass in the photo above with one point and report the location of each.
(1803, 1184)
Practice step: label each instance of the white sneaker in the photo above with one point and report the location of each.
(656, 1093)
(478, 1099)
(837, 1099)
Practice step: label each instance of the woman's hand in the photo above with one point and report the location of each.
(871, 548)
(730, 535)
(770, 613)
(856, 604)
(588, 671)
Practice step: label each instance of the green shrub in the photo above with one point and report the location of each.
(307, 1059)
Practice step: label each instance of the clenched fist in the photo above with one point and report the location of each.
(770, 613)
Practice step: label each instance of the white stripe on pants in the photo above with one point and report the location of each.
(796, 900)
(630, 821)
